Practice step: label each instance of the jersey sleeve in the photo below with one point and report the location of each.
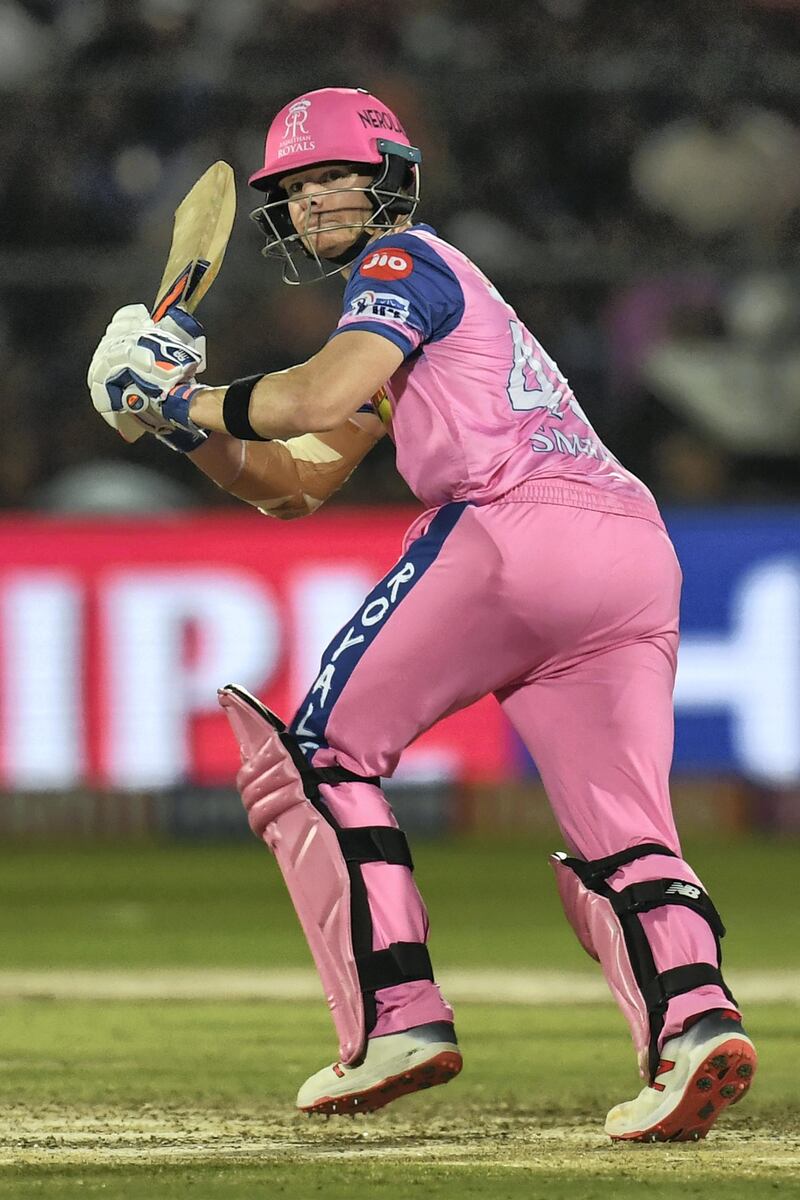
(403, 290)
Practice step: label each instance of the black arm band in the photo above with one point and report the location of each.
(236, 409)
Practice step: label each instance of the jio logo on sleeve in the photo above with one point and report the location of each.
(390, 263)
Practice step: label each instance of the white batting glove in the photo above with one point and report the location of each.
(188, 330)
(144, 370)
(175, 323)
(178, 323)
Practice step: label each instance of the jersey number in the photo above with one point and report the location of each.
(535, 381)
(530, 383)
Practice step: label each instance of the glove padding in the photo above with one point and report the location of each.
(141, 370)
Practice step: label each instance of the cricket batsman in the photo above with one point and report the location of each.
(541, 572)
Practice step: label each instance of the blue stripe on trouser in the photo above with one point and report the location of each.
(345, 651)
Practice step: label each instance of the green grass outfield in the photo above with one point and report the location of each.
(193, 1097)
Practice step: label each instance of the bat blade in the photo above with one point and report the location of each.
(200, 235)
(203, 224)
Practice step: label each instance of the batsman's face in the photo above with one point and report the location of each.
(322, 199)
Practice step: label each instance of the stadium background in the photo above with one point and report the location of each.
(629, 176)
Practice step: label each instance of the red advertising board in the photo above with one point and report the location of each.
(115, 634)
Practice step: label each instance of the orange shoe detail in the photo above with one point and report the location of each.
(664, 1066)
(443, 1067)
(722, 1079)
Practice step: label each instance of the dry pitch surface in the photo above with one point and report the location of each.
(503, 1139)
(498, 1123)
(178, 1152)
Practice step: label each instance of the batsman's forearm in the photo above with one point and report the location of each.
(281, 406)
(284, 478)
(316, 396)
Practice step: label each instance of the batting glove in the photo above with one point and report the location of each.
(143, 370)
(179, 324)
(187, 329)
(176, 323)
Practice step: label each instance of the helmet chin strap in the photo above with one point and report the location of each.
(394, 171)
(344, 259)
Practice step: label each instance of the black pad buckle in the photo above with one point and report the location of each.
(375, 843)
(599, 869)
(334, 775)
(664, 987)
(402, 962)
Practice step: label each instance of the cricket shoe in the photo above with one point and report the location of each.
(700, 1073)
(393, 1066)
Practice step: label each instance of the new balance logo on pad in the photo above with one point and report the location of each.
(684, 889)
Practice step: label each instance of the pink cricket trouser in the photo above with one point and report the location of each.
(562, 600)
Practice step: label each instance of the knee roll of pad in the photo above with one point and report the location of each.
(608, 927)
(321, 865)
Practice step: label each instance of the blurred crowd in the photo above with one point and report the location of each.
(628, 174)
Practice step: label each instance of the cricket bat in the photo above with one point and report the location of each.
(200, 234)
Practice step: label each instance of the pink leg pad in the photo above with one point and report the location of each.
(600, 933)
(309, 857)
(679, 943)
(396, 908)
(676, 936)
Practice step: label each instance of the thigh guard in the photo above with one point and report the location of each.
(320, 863)
(608, 927)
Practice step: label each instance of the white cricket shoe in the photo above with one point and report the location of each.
(393, 1066)
(700, 1073)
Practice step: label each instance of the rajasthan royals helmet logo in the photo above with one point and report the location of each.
(296, 120)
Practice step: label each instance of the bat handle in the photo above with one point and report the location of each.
(182, 290)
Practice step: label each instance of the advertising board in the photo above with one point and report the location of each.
(114, 636)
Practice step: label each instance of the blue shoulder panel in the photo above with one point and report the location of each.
(401, 284)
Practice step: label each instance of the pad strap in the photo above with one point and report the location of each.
(375, 843)
(654, 893)
(600, 868)
(402, 962)
(657, 988)
(334, 775)
(662, 988)
(312, 777)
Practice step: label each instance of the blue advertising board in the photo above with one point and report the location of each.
(737, 695)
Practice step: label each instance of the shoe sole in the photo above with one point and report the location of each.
(443, 1067)
(722, 1079)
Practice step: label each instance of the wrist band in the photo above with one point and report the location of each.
(236, 406)
(176, 405)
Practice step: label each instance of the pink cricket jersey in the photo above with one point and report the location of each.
(478, 406)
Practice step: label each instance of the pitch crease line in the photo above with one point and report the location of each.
(488, 986)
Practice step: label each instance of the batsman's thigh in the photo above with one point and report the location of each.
(598, 716)
(601, 735)
(428, 640)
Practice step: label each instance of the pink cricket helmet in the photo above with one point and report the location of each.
(334, 125)
(329, 125)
